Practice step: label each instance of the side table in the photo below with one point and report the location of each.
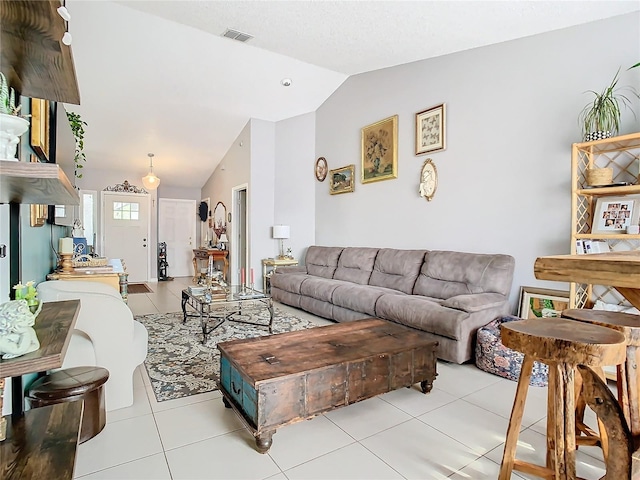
(269, 266)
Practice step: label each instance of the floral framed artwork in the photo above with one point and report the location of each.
(431, 130)
(542, 302)
(380, 150)
(615, 214)
(342, 180)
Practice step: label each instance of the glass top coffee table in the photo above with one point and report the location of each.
(236, 304)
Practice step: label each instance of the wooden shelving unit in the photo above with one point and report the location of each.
(41, 443)
(622, 153)
(33, 58)
(43, 183)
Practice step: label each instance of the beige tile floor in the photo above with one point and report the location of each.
(457, 431)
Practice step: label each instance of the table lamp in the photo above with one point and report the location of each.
(281, 232)
(223, 241)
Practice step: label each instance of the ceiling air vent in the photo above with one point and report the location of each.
(236, 35)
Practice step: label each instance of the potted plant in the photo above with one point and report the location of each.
(601, 118)
(12, 125)
(77, 127)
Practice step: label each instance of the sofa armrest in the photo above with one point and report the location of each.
(475, 302)
(292, 269)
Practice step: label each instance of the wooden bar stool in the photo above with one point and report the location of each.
(562, 345)
(627, 375)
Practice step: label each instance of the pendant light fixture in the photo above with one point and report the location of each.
(150, 181)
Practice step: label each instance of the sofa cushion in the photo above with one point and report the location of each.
(322, 261)
(320, 288)
(355, 264)
(417, 312)
(360, 298)
(290, 282)
(397, 269)
(447, 274)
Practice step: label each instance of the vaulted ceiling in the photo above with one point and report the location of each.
(157, 76)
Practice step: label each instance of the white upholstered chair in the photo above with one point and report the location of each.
(105, 335)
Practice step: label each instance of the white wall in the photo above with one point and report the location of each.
(261, 198)
(233, 170)
(512, 112)
(295, 182)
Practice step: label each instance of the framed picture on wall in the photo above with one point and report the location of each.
(431, 130)
(380, 150)
(342, 180)
(542, 302)
(615, 214)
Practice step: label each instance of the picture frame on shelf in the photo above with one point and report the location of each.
(542, 302)
(40, 128)
(342, 180)
(38, 213)
(614, 214)
(431, 130)
(379, 156)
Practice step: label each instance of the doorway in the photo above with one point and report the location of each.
(177, 228)
(126, 231)
(239, 230)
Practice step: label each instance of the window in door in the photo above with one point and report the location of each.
(126, 210)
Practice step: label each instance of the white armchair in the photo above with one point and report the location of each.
(105, 335)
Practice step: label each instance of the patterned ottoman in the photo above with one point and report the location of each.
(493, 357)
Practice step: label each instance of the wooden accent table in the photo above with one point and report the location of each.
(117, 279)
(282, 379)
(200, 254)
(620, 270)
(269, 266)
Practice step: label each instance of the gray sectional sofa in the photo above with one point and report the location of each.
(448, 294)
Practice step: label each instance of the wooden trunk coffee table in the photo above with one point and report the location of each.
(281, 379)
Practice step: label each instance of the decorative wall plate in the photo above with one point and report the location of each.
(321, 169)
(428, 180)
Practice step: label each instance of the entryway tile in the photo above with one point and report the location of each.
(363, 419)
(481, 469)
(303, 441)
(140, 407)
(149, 468)
(227, 457)
(461, 380)
(498, 398)
(119, 442)
(353, 462)
(414, 402)
(418, 451)
(488, 430)
(532, 448)
(195, 422)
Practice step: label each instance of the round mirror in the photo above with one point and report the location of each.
(220, 219)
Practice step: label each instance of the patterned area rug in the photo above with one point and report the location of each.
(179, 364)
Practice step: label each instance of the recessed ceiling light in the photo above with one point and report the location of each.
(286, 82)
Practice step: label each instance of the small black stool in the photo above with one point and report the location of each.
(71, 384)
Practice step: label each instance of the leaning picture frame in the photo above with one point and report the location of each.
(342, 180)
(431, 130)
(379, 155)
(614, 214)
(542, 302)
(40, 128)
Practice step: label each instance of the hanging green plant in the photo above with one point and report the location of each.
(77, 127)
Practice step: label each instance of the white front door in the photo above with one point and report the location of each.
(125, 230)
(177, 228)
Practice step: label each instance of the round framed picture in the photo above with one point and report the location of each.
(321, 169)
